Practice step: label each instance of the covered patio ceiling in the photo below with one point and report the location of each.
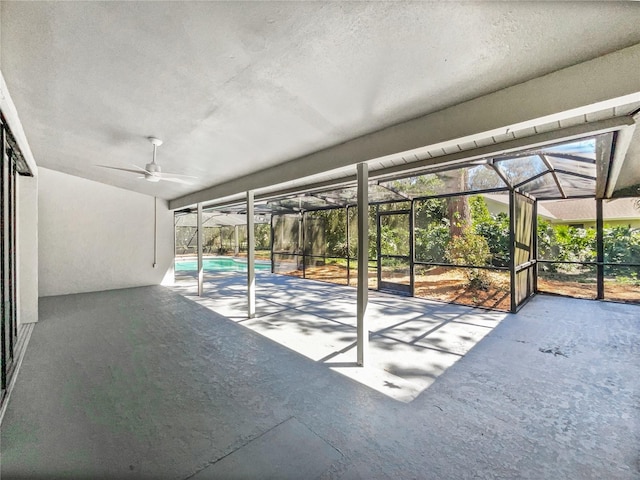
(261, 95)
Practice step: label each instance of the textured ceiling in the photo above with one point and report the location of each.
(233, 88)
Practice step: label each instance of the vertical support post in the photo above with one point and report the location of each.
(512, 250)
(199, 242)
(271, 239)
(600, 248)
(301, 243)
(534, 246)
(346, 212)
(251, 258)
(236, 245)
(378, 248)
(363, 262)
(412, 247)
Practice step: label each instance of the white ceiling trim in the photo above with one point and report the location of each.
(11, 116)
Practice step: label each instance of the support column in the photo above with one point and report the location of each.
(346, 213)
(251, 257)
(512, 251)
(534, 248)
(200, 241)
(599, 249)
(236, 246)
(363, 262)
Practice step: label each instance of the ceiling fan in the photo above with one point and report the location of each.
(152, 172)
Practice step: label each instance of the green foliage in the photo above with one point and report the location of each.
(494, 229)
(393, 239)
(479, 210)
(496, 233)
(431, 230)
(545, 238)
(622, 245)
(286, 233)
(431, 210)
(575, 244)
(482, 241)
(470, 249)
(263, 236)
(565, 243)
(326, 233)
(431, 242)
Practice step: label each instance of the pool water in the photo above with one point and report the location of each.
(221, 264)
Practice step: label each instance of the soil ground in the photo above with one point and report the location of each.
(441, 284)
(613, 290)
(448, 284)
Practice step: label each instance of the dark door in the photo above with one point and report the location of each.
(394, 252)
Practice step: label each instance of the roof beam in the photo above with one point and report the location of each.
(622, 143)
(438, 164)
(605, 82)
(492, 164)
(555, 175)
(575, 158)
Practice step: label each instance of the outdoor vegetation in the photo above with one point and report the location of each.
(220, 240)
(457, 245)
(562, 243)
(461, 248)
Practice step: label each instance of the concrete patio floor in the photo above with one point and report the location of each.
(412, 340)
(145, 383)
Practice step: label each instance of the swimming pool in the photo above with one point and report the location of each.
(220, 264)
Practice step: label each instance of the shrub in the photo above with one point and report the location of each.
(431, 242)
(494, 228)
(471, 249)
(622, 245)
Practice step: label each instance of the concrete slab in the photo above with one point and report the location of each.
(413, 340)
(288, 451)
(144, 383)
(312, 336)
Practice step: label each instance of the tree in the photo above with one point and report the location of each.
(494, 228)
(470, 249)
(458, 211)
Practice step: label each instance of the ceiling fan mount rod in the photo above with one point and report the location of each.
(156, 142)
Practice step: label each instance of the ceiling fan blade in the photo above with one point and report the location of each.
(121, 169)
(176, 175)
(176, 180)
(140, 169)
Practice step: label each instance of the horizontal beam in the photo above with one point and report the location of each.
(510, 146)
(623, 142)
(605, 82)
(467, 156)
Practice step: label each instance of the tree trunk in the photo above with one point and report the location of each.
(458, 211)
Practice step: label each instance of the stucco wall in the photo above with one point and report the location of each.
(95, 237)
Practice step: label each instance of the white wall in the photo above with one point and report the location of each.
(95, 237)
(27, 240)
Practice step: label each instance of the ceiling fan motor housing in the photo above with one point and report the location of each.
(153, 172)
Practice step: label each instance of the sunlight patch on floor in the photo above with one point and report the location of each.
(412, 341)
